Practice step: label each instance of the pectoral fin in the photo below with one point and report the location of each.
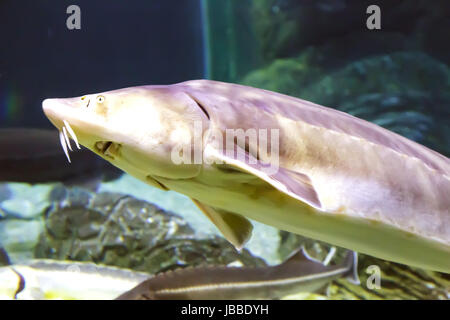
(292, 183)
(235, 228)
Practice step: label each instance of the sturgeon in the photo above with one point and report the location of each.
(70, 280)
(338, 178)
(297, 274)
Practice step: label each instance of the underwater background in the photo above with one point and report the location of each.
(319, 50)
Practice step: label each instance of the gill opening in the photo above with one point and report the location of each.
(200, 106)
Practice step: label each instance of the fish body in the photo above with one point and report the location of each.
(48, 280)
(297, 274)
(328, 175)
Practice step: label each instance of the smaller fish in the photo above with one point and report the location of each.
(33, 156)
(297, 274)
(49, 280)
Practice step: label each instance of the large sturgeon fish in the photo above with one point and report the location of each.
(312, 170)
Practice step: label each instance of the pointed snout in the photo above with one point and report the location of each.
(50, 107)
(56, 110)
(47, 105)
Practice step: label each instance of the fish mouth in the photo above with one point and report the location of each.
(108, 149)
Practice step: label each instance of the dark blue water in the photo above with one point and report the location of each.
(120, 44)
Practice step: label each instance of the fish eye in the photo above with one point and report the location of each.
(100, 99)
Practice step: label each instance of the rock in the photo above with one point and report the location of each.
(284, 28)
(116, 229)
(5, 192)
(19, 235)
(166, 200)
(263, 243)
(24, 201)
(287, 76)
(390, 74)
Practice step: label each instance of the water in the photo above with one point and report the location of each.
(397, 77)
